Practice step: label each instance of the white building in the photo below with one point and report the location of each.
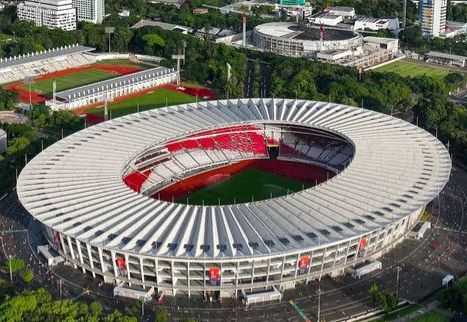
(454, 28)
(365, 23)
(327, 19)
(432, 16)
(49, 13)
(348, 12)
(89, 10)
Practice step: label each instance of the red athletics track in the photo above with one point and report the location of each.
(39, 98)
(201, 92)
(295, 170)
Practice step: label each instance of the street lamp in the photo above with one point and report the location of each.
(319, 303)
(9, 264)
(143, 300)
(109, 31)
(398, 282)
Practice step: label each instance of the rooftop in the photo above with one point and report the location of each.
(446, 56)
(43, 55)
(100, 86)
(75, 186)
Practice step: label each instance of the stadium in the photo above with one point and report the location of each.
(297, 40)
(106, 201)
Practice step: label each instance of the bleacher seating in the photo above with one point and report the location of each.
(319, 149)
(239, 138)
(177, 160)
(43, 66)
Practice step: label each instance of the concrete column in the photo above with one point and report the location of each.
(114, 264)
(282, 268)
(62, 242)
(80, 253)
(142, 270)
(309, 269)
(157, 272)
(322, 263)
(72, 252)
(188, 278)
(91, 263)
(173, 278)
(128, 269)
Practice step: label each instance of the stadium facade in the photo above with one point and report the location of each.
(296, 40)
(386, 172)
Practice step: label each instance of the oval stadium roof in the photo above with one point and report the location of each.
(75, 186)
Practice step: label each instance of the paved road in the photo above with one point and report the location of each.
(423, 265)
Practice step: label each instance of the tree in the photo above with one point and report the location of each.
(8, 99)
(118, 316)
(303, 85)
(14, 308)
(374, 294)
(454, 80)
(190, 319)
(27, 276)
(162, 315)
(95, 309)
(17, 145)
(153, 42)
(17, 264)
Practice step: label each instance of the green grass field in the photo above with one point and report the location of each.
(242, 186)
(70, 81)
(155, 99)
(431, 317)
(406, 68)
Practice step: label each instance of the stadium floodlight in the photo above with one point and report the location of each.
(178, 57)
(29, 80)
(109, 31)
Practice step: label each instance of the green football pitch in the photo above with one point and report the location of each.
(245, 186)
(155, 99)
(70, 81)
(408, 69)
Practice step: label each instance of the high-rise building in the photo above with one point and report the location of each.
(49, 13)
(89, 10)
(432, 16)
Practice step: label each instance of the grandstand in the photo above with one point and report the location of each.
(211, 149)
(110, 89)
(90, 193)
(44, 62)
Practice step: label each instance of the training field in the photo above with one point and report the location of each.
(41, 86)
(70, 81)
(245, 186)
(406, 68)
(157, 98)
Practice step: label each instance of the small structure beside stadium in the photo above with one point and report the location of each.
(109, 90)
